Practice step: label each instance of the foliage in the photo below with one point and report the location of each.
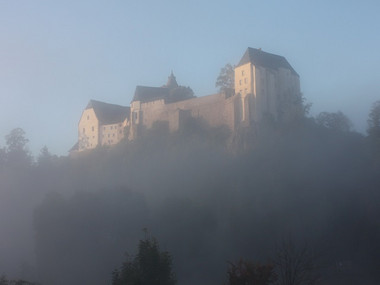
(16, 140)
(301, 177)
(150, 267)
(295, 266)
(374, 132)
(226, 78)
(86, 231)
(334, 121)
(46, 159)
(16, 152)
(374, 120)
(4, 281)
(248, 273)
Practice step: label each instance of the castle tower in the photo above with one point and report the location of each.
(172, 82)
(264, 81)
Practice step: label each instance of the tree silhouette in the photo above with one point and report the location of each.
(16, 151)
(247, 273)
(149, 267)
(295, 266)
(334, 121)
(374, 132)
(226, 78)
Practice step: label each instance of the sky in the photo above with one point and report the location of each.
(57, 55)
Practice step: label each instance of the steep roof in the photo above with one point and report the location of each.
(146, 93)
(265, 59)
(109, 113)
(172, 82)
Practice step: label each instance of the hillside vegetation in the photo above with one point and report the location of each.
(208, 199)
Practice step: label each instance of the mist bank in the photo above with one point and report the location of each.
(206, 197)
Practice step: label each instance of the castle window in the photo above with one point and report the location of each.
(240, 82)
(108, 135)
(88, 117)
(84, 130)
(104, 128)
(245, 80)
(242, 72)
(93, 129)
(113, 135)
(111, 127)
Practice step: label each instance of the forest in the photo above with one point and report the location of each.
(213, 201)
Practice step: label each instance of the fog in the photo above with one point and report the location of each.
(206, 197)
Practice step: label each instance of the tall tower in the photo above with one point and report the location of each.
(172, 82)
(264, 81)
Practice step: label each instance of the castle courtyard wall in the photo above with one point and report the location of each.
(216, 109)
(88, 130)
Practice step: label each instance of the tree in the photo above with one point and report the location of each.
(226, 78)
(374, 120)
(374, 130)
(16, 140)
(4, 281)
(16, 151)
(45, 158)
(149, 267)
(295, 266)
(334, 121)
(248, 273)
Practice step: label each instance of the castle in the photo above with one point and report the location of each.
(265, 85)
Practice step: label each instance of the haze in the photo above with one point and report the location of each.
(306, 182)
(55, 57)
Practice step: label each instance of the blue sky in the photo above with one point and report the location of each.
(57, 55)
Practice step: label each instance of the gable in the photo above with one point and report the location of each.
(108, 113)
(264, 59)
(146, 94)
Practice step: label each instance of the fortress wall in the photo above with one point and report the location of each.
(88, 127)
(111, 134)
(215, 109)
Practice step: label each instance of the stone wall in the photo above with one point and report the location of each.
(88, 130)
(215, 109)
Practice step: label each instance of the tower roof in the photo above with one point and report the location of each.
(172, 82)
(108, 113)
(265, 59)
(147, 93)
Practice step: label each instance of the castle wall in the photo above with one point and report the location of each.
(263, 90)
(215, 109)
(88, 130)
(276, 91)
(259, 91)
(111, 134)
